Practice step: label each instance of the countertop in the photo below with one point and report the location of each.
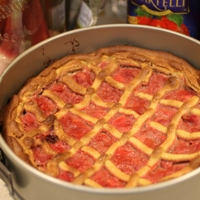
(4, 192)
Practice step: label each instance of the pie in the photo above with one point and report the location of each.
(119, 117)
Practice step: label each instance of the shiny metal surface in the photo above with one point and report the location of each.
(32, 184)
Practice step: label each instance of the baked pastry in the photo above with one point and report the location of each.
(119, 117)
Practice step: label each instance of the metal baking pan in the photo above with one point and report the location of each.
(28, 183)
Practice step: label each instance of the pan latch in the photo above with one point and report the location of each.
(5, 174)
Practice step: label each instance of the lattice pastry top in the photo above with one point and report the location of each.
(119, 117)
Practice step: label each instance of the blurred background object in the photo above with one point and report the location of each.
(119, 7)
(73, 9)
(113, 13)
(24, 23)
(84, 13)
(89, 12)
(179, 16)
(56, 15)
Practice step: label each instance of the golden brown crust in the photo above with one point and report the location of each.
(17, 148)
(179, 72)
(169, 62)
